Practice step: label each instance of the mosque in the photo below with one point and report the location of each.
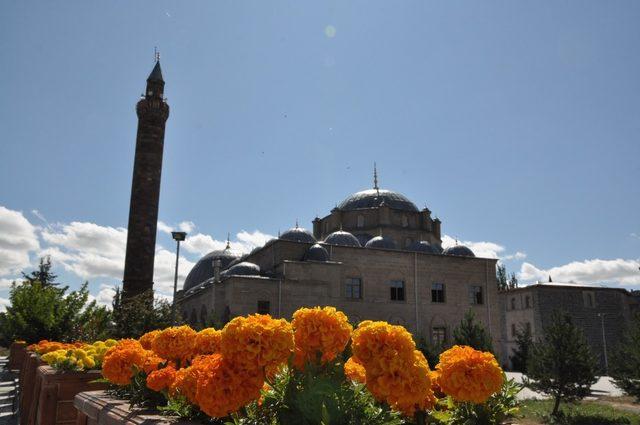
(375, 256)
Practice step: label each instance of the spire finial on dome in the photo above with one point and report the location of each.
(375, 178)
(297, 223)
(156, 54)
(228, 240)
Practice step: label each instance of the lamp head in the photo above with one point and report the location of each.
(179, 236)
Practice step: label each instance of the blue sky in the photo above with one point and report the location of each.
(516, 123)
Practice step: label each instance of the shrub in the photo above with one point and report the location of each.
(625, 361)
(471, 332)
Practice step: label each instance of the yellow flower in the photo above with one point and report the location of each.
(396, 373)
(174, 343)
(319, 334)
(469, 375)
(257, 341)
(207, 341)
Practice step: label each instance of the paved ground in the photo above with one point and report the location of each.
(8, 383)
(604, 387)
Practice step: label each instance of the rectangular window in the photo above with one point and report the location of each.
(353, 288)
(475, 295)
(438, 335)
(437, 292)
(397, 290)
(589, 299)
(264, 307)
(513, 329)
(527, 301)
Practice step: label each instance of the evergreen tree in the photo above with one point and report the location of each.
(501, 277)
(39, 311)
(561, 364)
(430, 351)
(470, 332)
(43, 274)
(625, 360)
(513, 281)
(524, 342)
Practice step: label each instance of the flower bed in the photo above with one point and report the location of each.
(57, 389)
(17, 355)
(27, 385)
(98, 408)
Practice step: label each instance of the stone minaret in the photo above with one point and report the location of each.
(152, 112)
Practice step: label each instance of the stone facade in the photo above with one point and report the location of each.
(592, 308)
(288, 282)
(152, 112)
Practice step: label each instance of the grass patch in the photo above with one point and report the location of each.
(583, 413)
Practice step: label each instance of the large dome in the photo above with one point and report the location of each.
(373, 198)
(203, 269)
(342, 238)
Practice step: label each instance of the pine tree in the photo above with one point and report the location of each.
(470, 332)
(625, 361)
(513, 281)
(524, 341)
(43, 274)
(561, 364)
(501, 277)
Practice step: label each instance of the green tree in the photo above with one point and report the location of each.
(134, 316)
(513, 281)
(625, 360)
(44, 275)
(38, 311)
(501, 277)
(561, 364)
(430, 351)
(524, 341)
(471, 332)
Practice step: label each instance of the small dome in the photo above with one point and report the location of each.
(298, 234)
(373, 198)
(316, 253)
(381, 242)
(342, 238)
(423, 246)
(244, 268)
(459, 250)
(203, 269)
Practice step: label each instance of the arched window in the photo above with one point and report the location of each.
(513, 303)
(407, 242)
(405, 221)
(193, 320)
(360, 221)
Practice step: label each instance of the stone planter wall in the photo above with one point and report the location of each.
(17, 354)
(97, 408)
(27, 387)
(53, 403)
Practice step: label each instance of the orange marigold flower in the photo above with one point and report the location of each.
(152, 362)
(224, 387)
(146, 340)
(469, 375)
(207, 341)
(123, 360)
(396, 373)
(257, 341)
(175, 343)
(319, 333)
(354, 370)
(186, 380)
(434, 375)
(160, 379)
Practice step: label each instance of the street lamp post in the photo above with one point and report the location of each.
(178, 237)
(604, 343)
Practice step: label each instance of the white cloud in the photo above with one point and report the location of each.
(6, 283)
(618, 272)
(517, 256)
(187, 226)
(202, 244)
(18, 239)
(164, 227)
(3, 304)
